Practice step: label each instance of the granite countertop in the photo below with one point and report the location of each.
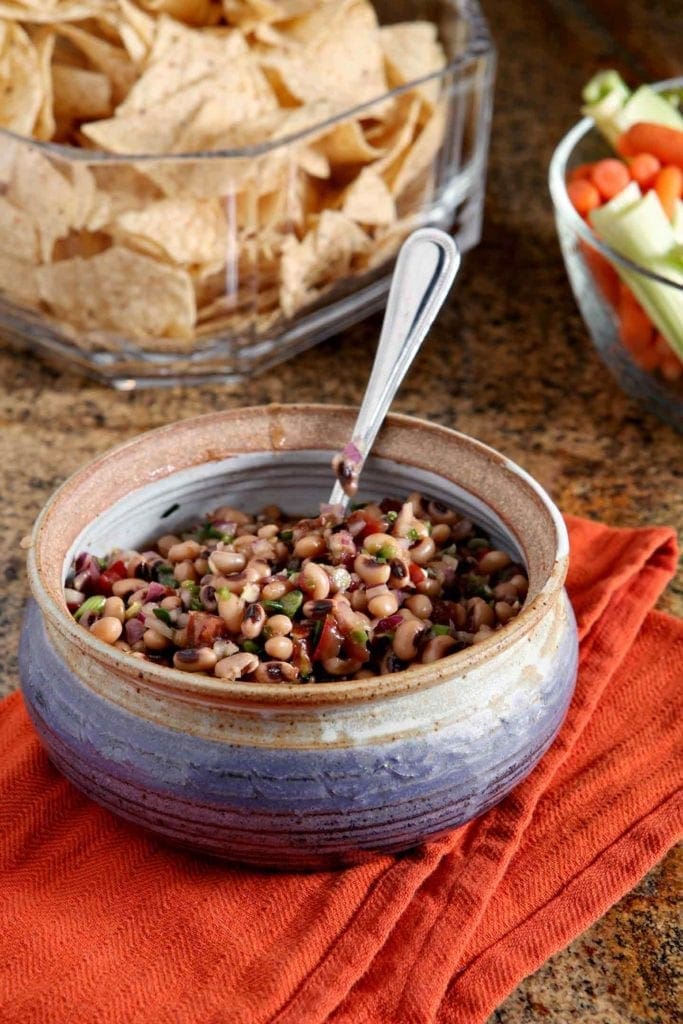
(509, 361)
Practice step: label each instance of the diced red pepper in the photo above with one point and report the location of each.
(417, 575)
(329, 642)
(203, 629)
(112, 575)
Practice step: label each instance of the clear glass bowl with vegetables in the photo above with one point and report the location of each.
(616, 181)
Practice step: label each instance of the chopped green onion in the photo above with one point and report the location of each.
(359, 636)
(251, 647)
(91, 604)
(165, 575)
(291, 602)
(478, 544)
(162, 613)
(286, 535)
(392, 516)
(133, 610)
(440, 630)
(413, 534)
(274, 607)
(224, 594)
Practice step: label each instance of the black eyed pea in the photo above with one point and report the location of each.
(108, 629)
(520, 583)
(371, 571)
(440, 514)
(275, 590)
(441, 534)
(272, 513)
(482, 633)
(186, 551)
(462, 529)
(171, 603)
(231, 610)
(278, 625)
(358, 600)
(154, 641)
(383, 542)
(437, 647)
(420, 605)
(317, 609)
(314, 581)
(405, 637)
(279, 647)
(184, 571)
(430, 586)
(505, 592)
(201, 659)
(309, 546)
(165, 543)
(121, 588)
(226, 562)
(114, 607)
(253, 622)
(275, 672)
(383, 605)
(201, 565)
(257, 569)
(268, 532)
(504, 611)
(236, 666)
(121, 645)
(398, 573)
(493, 561)
(228, 514)
(479, 613)
(423, 552)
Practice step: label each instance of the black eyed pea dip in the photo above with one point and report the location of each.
(268, 599)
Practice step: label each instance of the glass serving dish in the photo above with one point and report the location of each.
(595, 271)
(216, 265)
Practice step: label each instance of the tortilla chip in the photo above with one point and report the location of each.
(21, 80)
(122, 291)
(37, 187)
(192, 12)
(136, 29)
(18, 280)
(411, 51)
(80, 94)
(53, 10)
(112, 61)
(346, 144)
(422, 153)
(368, 200)
(18, 234)
(325, 253)
(322, 66)
(185, 231)
(44, 42)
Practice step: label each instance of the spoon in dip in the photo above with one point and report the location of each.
(425, 270)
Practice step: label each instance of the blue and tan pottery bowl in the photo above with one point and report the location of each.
(308, 775)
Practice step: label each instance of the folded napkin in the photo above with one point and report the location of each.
(102, 923)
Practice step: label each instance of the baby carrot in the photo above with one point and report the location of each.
(643, 169)
(610, 177)
(581, 172)
(635, 330)
(663, 142)
(583, 195)
(669, 187)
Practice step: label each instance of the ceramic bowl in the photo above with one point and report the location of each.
(296, 776)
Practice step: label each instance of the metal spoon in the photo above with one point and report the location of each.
(425, 270)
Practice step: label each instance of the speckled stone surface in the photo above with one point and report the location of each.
(510, 362)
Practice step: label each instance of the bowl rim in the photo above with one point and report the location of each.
(480, 45)
(172, 682)
(564, 208)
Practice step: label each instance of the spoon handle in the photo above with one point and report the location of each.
(425, 270)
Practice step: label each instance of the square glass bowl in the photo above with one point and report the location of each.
(235, 280)
(597, 275)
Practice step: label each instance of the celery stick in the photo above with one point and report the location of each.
(642, 232)
(614, 108)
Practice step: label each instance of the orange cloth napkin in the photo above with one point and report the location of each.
(101, 923)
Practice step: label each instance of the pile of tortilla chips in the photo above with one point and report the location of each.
(164, 247)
